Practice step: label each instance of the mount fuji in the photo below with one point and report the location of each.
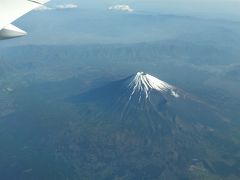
(141, 127)
(146, 96)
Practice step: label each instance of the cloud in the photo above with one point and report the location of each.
(67, 6)
(61, 6)
(121, 7)
(43, 8)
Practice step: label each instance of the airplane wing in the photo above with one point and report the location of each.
(11, 10)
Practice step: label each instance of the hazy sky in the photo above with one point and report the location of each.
(110, 31)
(207, 7)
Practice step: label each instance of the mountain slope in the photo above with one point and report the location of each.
(144, 128)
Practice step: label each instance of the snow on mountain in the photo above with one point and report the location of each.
(145, 83)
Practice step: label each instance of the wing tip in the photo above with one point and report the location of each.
(11, 31)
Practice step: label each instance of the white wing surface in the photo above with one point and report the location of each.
(11, 10)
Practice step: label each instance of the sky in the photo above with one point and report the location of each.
(228, 8)
(91, 22)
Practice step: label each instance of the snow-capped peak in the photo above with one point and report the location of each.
(143, 82)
